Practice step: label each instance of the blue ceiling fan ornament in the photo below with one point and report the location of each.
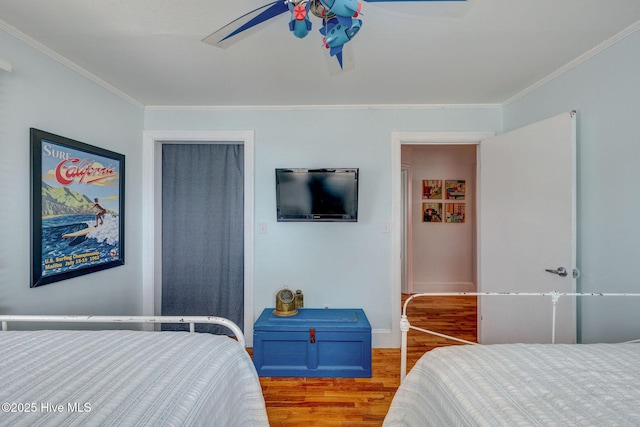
(339, 23)
(299, 23)
(342, 7)
(337, 32)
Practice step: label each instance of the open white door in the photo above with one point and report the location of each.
(527, 224)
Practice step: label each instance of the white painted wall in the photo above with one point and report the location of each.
(5, 65)
(605, 91)
(41, 92)
(443, 254)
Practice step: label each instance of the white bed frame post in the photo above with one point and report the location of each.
(404, 328)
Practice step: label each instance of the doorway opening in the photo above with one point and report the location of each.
(519, 172)
(439, 221)
(152, 212)
(417, 141)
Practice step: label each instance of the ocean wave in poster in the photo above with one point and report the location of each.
(63, 254)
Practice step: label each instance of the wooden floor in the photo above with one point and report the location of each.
(363, 402)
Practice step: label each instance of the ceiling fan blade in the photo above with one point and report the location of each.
(342, 62)
(222, 37)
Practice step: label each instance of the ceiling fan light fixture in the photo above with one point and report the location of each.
(339, 20)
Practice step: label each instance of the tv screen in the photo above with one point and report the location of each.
(317, 194)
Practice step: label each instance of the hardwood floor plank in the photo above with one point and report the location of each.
(364, 402)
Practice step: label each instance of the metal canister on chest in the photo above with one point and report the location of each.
(299, 299)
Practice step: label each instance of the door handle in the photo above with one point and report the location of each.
(562, 272)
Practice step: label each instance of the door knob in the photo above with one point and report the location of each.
(560, 271)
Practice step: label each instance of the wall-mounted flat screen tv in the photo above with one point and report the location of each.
(317, 194)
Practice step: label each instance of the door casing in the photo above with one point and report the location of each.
(398, 139)
(152, 217)
(407, 241)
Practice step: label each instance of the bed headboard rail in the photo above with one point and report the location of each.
(191, 320)
(554, 296)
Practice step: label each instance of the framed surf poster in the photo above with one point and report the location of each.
(77, 208)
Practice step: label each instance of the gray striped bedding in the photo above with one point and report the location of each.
(127, 378)
(521, 385)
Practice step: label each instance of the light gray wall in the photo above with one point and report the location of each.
(605, 91)
(42, 93)
(339, 264)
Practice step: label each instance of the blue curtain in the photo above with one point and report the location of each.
(202, 232)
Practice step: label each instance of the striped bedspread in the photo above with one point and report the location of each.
(127, 378)
(521, 385)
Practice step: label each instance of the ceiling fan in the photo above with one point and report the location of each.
(340, 21)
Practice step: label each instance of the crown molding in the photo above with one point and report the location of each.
(69, 64)
(5, 65)
(321, 107)
(579, 60)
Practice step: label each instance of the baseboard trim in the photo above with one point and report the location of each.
(383, 338)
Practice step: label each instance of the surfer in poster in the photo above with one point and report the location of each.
(101, 212)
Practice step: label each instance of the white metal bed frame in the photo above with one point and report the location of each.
(191, 320)
(554, 297)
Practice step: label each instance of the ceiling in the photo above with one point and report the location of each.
(474, 52)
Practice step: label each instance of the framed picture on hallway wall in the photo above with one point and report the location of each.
(432, 212)
(454, 189)
(432, 189)
(454, 212)
(77, 208)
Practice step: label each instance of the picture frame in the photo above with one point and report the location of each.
(432, 212)
(431, 189)
(454, 212)
(77, 208)
(455, 189)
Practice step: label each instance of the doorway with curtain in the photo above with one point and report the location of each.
(152, 232)
(202, 231)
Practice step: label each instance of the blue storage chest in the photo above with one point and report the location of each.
(315, 342)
